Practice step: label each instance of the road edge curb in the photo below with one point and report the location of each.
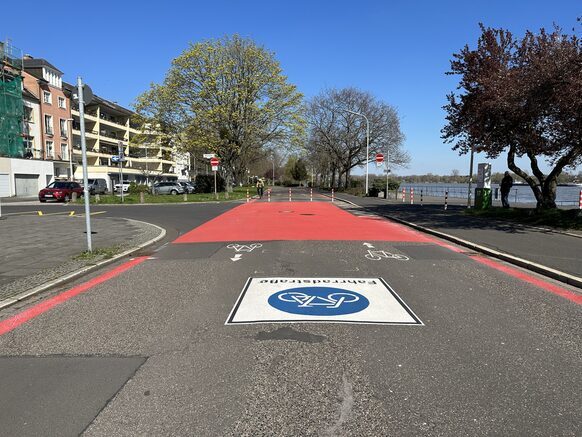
(88, 269)
(529, 265)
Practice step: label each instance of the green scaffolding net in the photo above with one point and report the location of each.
(11, 117)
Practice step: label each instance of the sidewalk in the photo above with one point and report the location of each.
(38, 250)
(553, 250)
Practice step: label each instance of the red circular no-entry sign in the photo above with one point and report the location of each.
(214, 161)
(379, 157)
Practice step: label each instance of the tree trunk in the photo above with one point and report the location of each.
(548, 198)
(544, 189)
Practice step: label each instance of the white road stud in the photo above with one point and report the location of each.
(323, 300)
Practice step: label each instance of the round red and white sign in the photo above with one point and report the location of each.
(214, 162)
(379, 157)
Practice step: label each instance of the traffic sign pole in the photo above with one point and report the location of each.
(214, 163)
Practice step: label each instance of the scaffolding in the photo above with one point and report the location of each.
(11, 103)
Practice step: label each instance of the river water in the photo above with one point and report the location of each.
(567, 196)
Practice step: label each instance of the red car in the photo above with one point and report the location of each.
(60, 190)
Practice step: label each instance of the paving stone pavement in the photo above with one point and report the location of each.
(38, 249)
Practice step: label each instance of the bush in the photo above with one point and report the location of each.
(373, 191)
(205, 183)
(288, 183)
(138, 188)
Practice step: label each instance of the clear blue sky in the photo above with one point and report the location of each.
(398, 50)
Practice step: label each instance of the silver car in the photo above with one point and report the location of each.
(168, 188)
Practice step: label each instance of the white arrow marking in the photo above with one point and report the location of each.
(368, 245)
(237, 257)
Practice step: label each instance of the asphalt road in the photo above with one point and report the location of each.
(493, 355)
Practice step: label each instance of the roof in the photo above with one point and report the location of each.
(29, 95)
(97, 100)
(33, 63)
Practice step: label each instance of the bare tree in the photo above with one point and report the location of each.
(337, 137)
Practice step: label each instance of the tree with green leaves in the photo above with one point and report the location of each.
(227, 96)
(523, 96)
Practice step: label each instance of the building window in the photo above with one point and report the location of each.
(62, 103)
(48, 124)
(63, 126)
(64, 151)
(28, 147)
(49, 150)
(28, 115)
(47, 97)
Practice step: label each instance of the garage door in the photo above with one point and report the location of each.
(26, 185)
(4, 185)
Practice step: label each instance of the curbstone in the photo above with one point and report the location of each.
(512, 259)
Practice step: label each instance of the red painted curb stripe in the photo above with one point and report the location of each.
(23, 317)
(562, 292)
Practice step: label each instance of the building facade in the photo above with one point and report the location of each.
(109, 128)
(20, 132)
(45, 82)
(40, 138)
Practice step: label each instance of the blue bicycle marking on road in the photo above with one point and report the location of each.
(318, 301)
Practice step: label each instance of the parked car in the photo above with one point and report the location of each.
(97, 186)
(117, 187)
(168, 188)
(188, 187)
(60, 190)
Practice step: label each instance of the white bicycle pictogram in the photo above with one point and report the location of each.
(244, 247)
(377, 255)
(332, 300)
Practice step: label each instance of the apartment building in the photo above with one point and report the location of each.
(44, 81)
(20, 132)
(40, 140)
(108, 126)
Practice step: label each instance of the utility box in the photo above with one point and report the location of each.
(483, 198)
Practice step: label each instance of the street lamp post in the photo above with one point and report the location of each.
(469, 194)
(70, 133)
(367, 144)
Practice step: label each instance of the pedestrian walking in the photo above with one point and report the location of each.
(260, 188)
(506, 184)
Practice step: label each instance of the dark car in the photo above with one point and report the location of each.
(60, 190)
(188, 187)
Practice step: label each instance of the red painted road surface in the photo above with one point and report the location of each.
(298, 221)
(23, 317)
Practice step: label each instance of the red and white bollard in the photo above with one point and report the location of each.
(580, 201)
(446, 200)
(332, 195)
(248, 197)
(289, 194)
(269, 194)
(311, 194)
(403, 195)
(412, 196)
(421, 197)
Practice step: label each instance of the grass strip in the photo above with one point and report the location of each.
(553, 218)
